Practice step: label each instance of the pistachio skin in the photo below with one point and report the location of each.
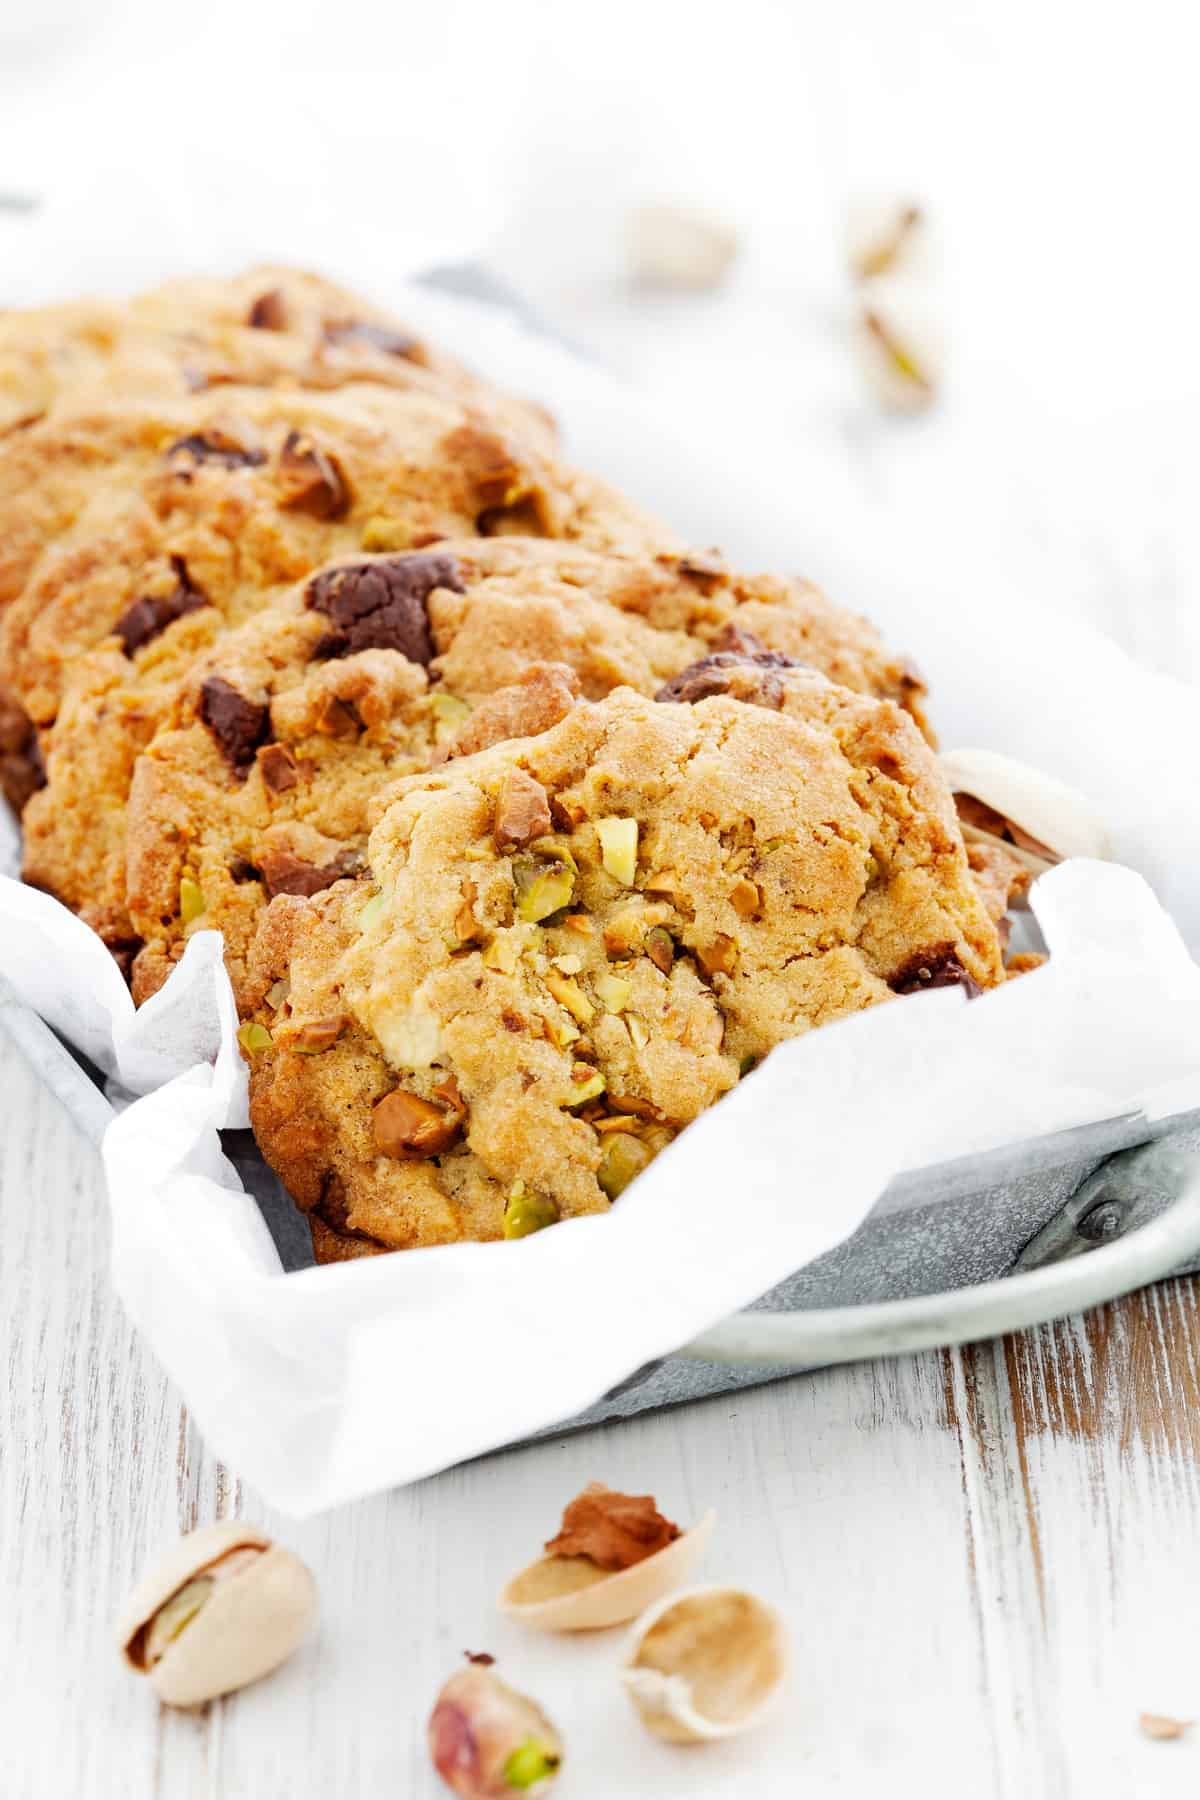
(197, 1629)
(488, 1742)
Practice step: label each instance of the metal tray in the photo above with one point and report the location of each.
(952, 1253)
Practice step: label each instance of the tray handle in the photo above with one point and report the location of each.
(841, 1334)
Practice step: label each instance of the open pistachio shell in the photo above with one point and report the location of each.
(243, 1626)
(1057, 819)
(569, 1593)
(705, 1664)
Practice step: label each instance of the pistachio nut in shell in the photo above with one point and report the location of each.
(1039, 819)
(571, 1593)
(221, 1608)
(705, 1664)
(487, 1741)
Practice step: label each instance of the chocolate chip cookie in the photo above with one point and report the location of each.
(568, 946)
(296, 678)
(270, 327)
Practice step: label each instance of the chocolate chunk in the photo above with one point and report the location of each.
(149, 616)
(241, 870)
(381, 605)
(217, 447)
(284, 873)
(378, 337)
(278, 767)
(740, 642)
(936, 968)
(309, 479)
(239, 725)
(269, 312)
(754, 679)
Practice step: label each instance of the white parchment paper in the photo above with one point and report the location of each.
(330, 1383)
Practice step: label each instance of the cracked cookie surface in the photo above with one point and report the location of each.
(567, 947)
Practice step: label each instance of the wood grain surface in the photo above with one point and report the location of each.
(988, 1558)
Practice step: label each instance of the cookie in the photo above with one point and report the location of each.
(569, 946)
(125, 520)
(271, 327)
(298, 675)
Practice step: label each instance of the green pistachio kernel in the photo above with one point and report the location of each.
(530, 1763)
(253, 1038)
(370, 912)
(449, 713)
(173, 1617)
(586, 1089)
(526, 1212)
(191, 900)
(541, 888)
(618, 848)
(624, 1157)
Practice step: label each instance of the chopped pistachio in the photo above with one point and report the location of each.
(559, 1030)
(370, 912)
(569, 965)
(526, 1213)
(278, 991)
(586, 1084)
(623, 1157)
(773, 844)
(719, 957)
(447, 708)
(660, 948)
(501, 953)
(253, 1038)
(618, 848)
(639, 1031)
(568, 993)
(541, 888)
(613, 991)
(381, 533)
(191, 900)
(665, 881)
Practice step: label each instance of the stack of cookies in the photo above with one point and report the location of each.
(529, 829)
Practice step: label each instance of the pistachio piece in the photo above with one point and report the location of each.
(486, 1740)
(586, 1084)
(568, 993)
(613, 991)
(224, 1607)
(618, 848)
(542, 886)
(719, 957)
(368, 914)
(746, 898)
(622, 1160)
(449, 712)
(704, 1664)
(527, 1212)
(254, 1037)
(613, 1557)
(191, 900)
(660, 948)
(1039, 820)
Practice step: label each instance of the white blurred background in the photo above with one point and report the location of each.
(1054, 145)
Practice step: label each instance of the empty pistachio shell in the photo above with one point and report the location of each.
(223, 1607)
(1048, 821)
(897, 338)
(570, 1593)
(705, 1664)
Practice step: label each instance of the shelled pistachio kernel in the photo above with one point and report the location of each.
(254, 1037)
(621, 1161)
(224, 1607)
(618, 848)
(526, 1212)
(191, 900)
(449, 713)
(544, 882)
(586, 1084)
